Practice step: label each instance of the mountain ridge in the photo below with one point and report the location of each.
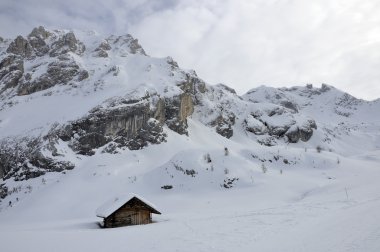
(66, 97)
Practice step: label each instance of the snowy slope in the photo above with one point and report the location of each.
(290, 169)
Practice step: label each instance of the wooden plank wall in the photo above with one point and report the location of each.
(128, 217)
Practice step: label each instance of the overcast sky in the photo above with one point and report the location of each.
(242, 43)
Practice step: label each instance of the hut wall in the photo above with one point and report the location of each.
(125, 217)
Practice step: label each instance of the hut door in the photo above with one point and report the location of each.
(135, 218)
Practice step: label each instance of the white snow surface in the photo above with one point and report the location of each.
(316, 204)
(287, 197)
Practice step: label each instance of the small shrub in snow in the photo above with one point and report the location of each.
(208, 158)
(166, 187)
(132, 179)
(190, 172)
(229, 182)
(319, 149)
(264, 168)
(178, 168)
(226, 152)
(29, 188)
(226, 171)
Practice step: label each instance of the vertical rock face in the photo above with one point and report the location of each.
(132, 126)
(177, 109)
(11, 71)
(37, 40)
(159, 114)
(186, 107)
(67, 43)
(20, 46)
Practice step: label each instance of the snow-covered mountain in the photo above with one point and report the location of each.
(85, 117)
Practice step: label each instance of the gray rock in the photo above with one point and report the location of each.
(136, 47)
(101, 50)
(22, 159)
(128, 123)
(59, 72)
(11, 79)
(177, 109)
(278, 131)
(226, 88)
(159, 114)
(325, 87)
(304, 132)
(267, 141)
(223, 125)
(259, 129)
(192, 85)
(104, 46)
(11, 71)
(172, 63)
(11, 63)
(290, 105)
(39, 32)
(293, 135)
(129, 126)
(20, 46)
(37, 40)
(3, 190)
(127, 42)
(67, 43)
(101, 54)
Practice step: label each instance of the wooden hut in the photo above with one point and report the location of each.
(126, 210)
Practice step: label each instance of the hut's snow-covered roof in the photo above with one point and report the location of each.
(115, 203)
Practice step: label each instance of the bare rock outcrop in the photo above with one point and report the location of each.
(101, 50)
(66, 43)
(59, 72)
(23, 159)
(11, 71)
(37, 39)
(20, 46)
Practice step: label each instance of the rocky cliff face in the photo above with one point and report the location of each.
(123, 99)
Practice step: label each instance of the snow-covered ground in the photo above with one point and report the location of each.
(323, 202)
